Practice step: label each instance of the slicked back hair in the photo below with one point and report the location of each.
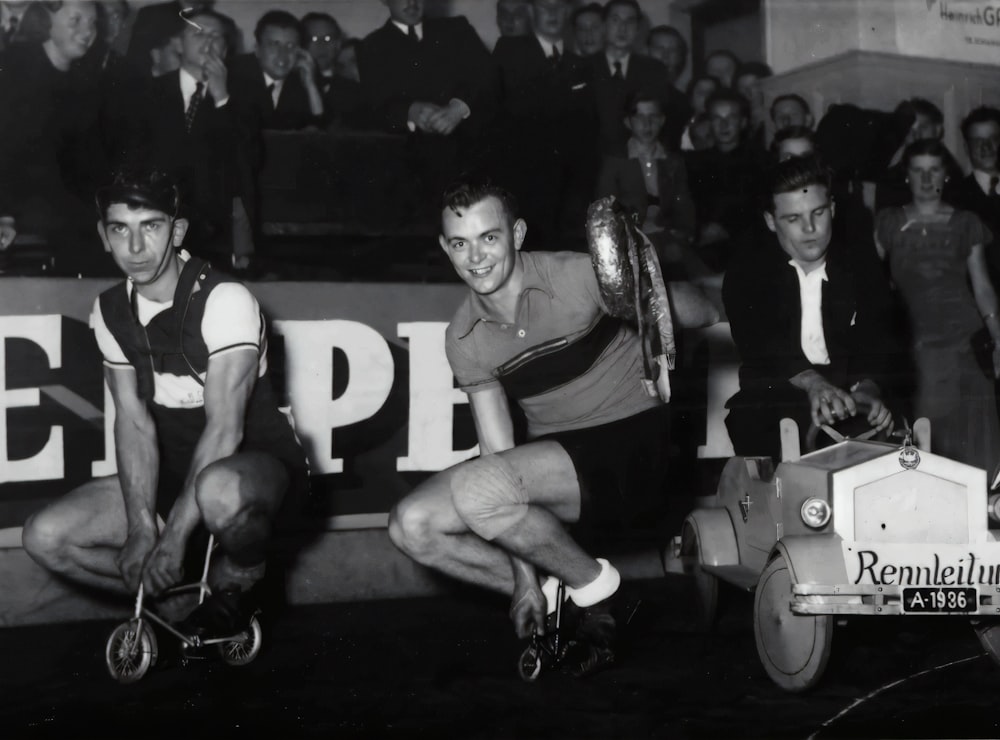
(794, 174)
(463, 195)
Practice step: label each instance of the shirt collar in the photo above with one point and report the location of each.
(406, 29)
(188, 84)
(636, 150)
(818, 274)
(983, 179)
(268, 81)
(623, 61)
(547, 45)
(477, 310)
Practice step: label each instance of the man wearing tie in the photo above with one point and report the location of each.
(265, 89)
(433, 80)
(184, 124)
(620, 73)
(10, 20)
(550, 126)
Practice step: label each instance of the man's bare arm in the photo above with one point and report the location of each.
(138, 470)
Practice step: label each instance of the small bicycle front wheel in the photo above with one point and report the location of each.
(130, 651)
(243, 649)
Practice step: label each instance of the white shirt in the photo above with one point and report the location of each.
(276, 90)
(623, 61)
(406, 29)
(983, 180)
(811, 298)
(548, 46)
(189, 84)
(647, 157)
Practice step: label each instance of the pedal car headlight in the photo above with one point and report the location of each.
(815, 513)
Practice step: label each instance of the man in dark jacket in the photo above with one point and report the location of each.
(811, 321)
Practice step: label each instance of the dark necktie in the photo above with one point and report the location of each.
(270, 94)
(11, 27)
(411, 31)
(994, 180)
(554, 56)
(618, 71)
(192, 111)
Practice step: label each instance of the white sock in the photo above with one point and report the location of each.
(605, 585)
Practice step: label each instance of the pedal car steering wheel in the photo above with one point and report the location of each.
(852, 427)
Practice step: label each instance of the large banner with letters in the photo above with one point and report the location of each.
(362, 366)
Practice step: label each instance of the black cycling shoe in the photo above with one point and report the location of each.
(595, 639)
(226, 612)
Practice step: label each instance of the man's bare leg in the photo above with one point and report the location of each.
(80, 535)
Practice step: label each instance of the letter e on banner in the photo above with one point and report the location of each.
(433, 396)
(46, 332)
(309, 372)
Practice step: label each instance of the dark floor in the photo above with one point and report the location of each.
(445, 667)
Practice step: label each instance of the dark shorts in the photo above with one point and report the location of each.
(621, 468)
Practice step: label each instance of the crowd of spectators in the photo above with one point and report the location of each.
(575, 101)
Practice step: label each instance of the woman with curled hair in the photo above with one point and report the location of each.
(937, 262)
(49, 148)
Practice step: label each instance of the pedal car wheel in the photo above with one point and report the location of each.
(988, 632)
(706, 585)
(530, 665)
(793, 649)
(130, 651)
(243, 651)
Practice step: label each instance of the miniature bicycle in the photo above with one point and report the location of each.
(132, 648)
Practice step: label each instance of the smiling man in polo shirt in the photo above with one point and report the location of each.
(533, 330)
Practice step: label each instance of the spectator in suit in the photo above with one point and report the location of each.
(49, 138)
(667, 45)
(275, 87)
(103, 55)
(513, 17)
(154, 42)
(724, 180)
(620, 73)
(588, 29)
(651, 181)
(790, 110)
(722, 65)
(433, 80)
(341, 96)
(185, 124)
(979, 191)
(549, 125)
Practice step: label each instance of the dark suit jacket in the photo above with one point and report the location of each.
(449, 62)
(253, 101)
(644, 74)
(679, 112)
(967, 195)
(760, 293)
(623, 178)
(341, 101)
(208, 162)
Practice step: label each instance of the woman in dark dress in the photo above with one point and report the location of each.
(937, 263)
(50, 155)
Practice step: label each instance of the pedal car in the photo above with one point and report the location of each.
(857, 528)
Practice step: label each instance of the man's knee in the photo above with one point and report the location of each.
(411, 526)
(44, 538)
(489, 496)
(218, 491)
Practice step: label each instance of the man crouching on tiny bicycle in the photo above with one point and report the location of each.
(200, 441)
(533, 329)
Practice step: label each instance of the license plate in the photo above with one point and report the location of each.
(940, 600)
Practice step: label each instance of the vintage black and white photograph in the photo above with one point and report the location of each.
(500, 369)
